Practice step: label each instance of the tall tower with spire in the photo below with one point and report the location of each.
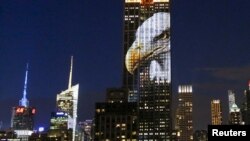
(22, 120)
(67, 102)
(147, 65)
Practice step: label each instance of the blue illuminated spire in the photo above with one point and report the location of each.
(24, 101)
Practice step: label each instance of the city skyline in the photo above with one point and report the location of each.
(209, 43)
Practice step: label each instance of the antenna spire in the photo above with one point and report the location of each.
(24, 101)
(70, 73)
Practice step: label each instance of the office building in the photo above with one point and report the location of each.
(67, 102)
(235, 115)
(115, 121)
(184, 115)
(85, 131)
(216, 112)
(22, 119)
(147, 71)
(246, 106)
(175, 135)
(59, 120)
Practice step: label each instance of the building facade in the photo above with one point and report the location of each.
(184, 116)
(147, 71)
(216, 112)
(59, 120)
(115, 121)
(23, 118)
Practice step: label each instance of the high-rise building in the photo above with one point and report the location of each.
(216, 112)
(147, 71)
(235, 115)
(22, 120)
(116, 119)
(67, 102)
(246, 106)
(85, 131)
(59, 120)
(231, 98)
(184, 115)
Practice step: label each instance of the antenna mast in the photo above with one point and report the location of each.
(24, 101)
(70, 73)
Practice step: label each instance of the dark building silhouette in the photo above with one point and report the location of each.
(115, 121)
(200, 135)
(8, 135)
(116, 95)
(23, 118)
(245, 110)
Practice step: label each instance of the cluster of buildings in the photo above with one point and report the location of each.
(63, 121)
(237, 115)
(140, 110)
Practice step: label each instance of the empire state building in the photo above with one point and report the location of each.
(147, 65)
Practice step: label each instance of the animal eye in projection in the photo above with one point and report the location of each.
(164, 35)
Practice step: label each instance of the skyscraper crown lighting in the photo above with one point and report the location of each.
(185, 89)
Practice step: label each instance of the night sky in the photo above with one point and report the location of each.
(210, 43)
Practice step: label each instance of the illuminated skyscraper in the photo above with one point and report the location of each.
(235, 115)
(185, 113)
(22, 120)
(67, 102)
(147, 71)
(231, 98)
(216, 113)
